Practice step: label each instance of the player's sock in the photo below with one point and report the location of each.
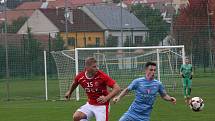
(189, 91)
(185, 92)
(83, 120)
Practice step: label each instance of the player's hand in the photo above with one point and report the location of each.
(67, 95)
(182, 75)
(173, 100)
(102, 99)
(115, 100)
(191, 76)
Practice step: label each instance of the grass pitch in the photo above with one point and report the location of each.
(40, 110)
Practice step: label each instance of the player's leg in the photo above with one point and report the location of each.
(84, 113)
(126, 118)
(189, 87)
(101, 112)
(185, 87)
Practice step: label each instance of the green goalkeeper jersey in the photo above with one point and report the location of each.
(186, 70)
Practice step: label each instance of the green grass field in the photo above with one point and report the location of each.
(40, 110)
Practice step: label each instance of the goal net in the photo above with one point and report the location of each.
(123, 64)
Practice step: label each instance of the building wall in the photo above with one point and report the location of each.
(79, 39)
(39, 24)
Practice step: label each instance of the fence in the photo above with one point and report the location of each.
(26, 33)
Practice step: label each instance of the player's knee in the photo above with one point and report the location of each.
(78, 116)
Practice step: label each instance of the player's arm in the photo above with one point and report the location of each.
(191, 76)
(122, 94)
(71, 89)
(169, 98)
(114, 92)
(181, 69)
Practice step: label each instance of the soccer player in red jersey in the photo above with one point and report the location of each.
(95, 83)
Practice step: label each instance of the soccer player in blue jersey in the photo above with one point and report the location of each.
(146, 89)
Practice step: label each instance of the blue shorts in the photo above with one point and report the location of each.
(126, 117)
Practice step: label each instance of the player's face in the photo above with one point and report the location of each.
(92, 69)
(150, 72)
(187, 61)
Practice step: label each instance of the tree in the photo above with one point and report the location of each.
(58, 44)
(194, 28)
(158, 28)
(112, 41)
(32, 52)
(15, 26)
(116, 1)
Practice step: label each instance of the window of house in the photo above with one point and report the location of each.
(71, 41)
(138, 40)
(85, 41)
(97, 41)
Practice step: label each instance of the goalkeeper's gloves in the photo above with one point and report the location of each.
(191, 76)
(182, 75)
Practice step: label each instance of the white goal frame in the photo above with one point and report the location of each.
(127, 48)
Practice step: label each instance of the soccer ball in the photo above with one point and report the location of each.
(196, 104)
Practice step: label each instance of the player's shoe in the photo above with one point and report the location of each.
(187, 100)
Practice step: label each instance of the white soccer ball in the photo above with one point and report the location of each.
(196, 104)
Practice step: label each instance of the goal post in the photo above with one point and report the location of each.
(123, 64)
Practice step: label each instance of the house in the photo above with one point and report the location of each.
(75, 3)
(81, 30)
(90, 25)
(167, 7)
(112, 18)
(26, 9)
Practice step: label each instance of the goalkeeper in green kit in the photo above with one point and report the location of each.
(187, 74)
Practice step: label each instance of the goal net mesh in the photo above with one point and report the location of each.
(123, 65)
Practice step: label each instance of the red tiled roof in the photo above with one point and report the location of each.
(81, 21)
(71, 3)
(25, 9)
(14, 15)
(29, 5)
(129, 2)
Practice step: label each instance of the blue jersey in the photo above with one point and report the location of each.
(145, 95)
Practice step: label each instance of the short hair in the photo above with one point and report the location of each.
(89, 61)
(150, 64)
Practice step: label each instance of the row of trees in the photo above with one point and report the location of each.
(194, 27)
(26, 56)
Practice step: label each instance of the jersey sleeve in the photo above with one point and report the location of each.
(78, 77)
(133, 85)
(109, 81)
(161, 89)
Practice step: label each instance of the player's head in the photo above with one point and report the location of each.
(150, 69)
(187, 61)
(90, 65)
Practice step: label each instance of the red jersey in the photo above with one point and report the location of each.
(95, 86)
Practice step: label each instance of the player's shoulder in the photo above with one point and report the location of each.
(157, 81)
(80, 74)
(137, 80)
(140, 79)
